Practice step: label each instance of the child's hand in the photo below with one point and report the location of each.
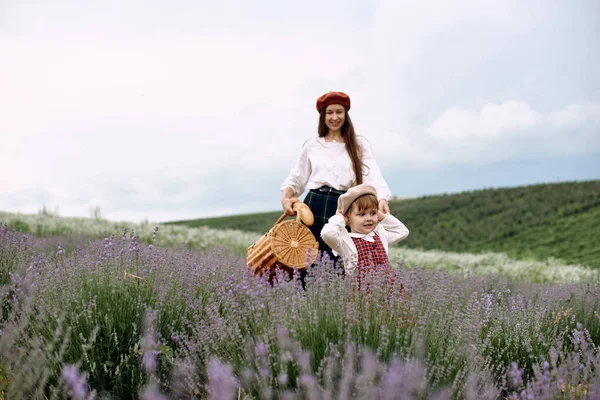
(381, 215)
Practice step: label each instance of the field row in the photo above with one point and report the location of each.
(199, 238)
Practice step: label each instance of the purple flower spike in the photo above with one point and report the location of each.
(152, 393)
(149, 344)
(77, 385)
(221, 382)
(516, 375)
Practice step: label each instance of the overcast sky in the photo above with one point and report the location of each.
(182, 109)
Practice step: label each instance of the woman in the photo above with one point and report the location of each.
(330, 164)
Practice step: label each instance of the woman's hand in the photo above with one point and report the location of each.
(286, 203)
(381, 215)
(383, 206)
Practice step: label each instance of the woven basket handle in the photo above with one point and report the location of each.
(303, 214)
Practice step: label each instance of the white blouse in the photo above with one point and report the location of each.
(324, 163)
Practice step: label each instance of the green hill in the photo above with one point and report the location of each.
(558, 220)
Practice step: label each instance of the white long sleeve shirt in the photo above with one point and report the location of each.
(390, 230)
(324, 163)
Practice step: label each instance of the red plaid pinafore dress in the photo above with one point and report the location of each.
(373, 257)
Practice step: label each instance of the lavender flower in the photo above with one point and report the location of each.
(152, 393)
(516, 375)
(149, 344)
(326, 342)
(221, 382)
(77, 385)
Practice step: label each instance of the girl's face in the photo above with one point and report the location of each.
(363, 221)
(335, 115)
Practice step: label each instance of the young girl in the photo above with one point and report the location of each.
(365, 248)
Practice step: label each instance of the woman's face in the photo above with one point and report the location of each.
(335, 115)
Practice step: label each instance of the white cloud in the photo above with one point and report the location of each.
(514, 129)
(575, 115)
(106, 106)
(457, 125)
(496, 121)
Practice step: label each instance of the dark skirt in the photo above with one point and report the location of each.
(323, 204)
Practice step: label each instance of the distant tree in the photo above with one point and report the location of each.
(95, 212)
(48, 212)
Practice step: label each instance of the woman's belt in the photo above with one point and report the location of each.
(328, 189)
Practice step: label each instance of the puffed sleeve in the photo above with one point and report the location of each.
(333, 233)
(396, 231)
(372, 174)
(298, 177)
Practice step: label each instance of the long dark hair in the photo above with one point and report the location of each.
(349, 138)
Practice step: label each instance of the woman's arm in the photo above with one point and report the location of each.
(287, 201)
(295, 183)
(374, 177)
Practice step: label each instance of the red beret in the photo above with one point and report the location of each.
(333, 98)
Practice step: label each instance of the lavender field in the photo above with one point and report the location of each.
(71, 231)
(155, 317)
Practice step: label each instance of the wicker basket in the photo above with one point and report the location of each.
(286, 245)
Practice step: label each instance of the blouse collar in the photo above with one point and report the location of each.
(369, 237)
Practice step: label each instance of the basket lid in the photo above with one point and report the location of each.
(294, 244)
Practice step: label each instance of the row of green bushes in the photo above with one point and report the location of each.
(537, 222)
